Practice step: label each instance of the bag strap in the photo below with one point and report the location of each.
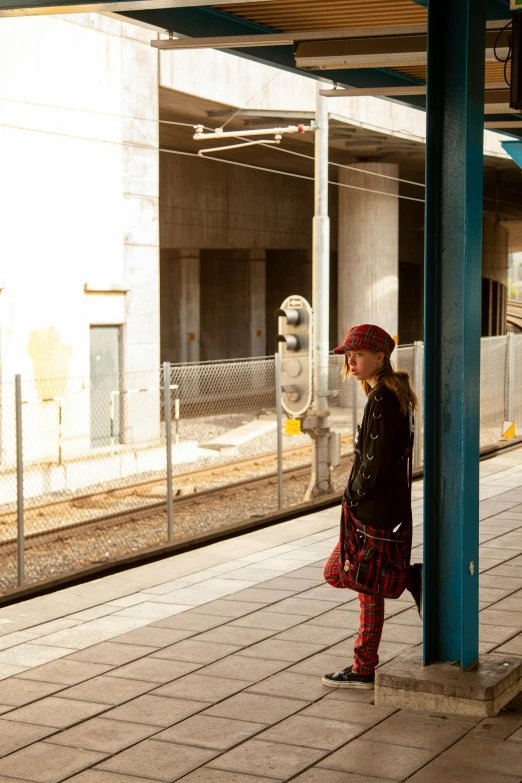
(410, 455)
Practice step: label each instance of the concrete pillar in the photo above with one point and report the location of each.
(140, 195)
(368, 273)
(257, 274)
(189, 305)
(140, 414)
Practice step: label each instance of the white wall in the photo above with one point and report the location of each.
(78, 190)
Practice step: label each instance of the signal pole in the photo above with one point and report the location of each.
(316, 421)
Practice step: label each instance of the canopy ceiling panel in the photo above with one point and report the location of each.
(286, 15)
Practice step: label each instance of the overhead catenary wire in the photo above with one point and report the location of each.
(291, 174)
(311, 157)
(262, 89)
(332, 163)
(362, 171)
(353, 168)
(298, 154)
(311, 179)
(282, 149)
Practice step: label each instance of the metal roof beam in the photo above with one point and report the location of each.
(381, 51)
(376, 92)
(503, 124)
(286, 39)
(278, 39)
(496, 99)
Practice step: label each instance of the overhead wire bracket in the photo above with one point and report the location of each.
(219, 133)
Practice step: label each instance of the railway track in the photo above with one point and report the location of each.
(153, 509)
(70, 553)
(109, 542)
(68, 512)
(218, 470)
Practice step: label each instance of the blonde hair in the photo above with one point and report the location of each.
(396, 380)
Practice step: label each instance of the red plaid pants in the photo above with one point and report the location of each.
(366, 646)
(371, 619)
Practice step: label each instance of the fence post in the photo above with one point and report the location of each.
(418, 385)
(510, 377)
(60, 430)
(168, 439)
(19, 480)
(279, 412)
(176, 413)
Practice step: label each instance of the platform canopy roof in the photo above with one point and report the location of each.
(374, 47)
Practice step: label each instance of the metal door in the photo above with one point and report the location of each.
(105, 384)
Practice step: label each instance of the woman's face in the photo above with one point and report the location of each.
(364, 364)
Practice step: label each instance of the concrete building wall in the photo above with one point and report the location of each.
(209, 204)
(514, 229)
(79, 243)
(78, 191)
(252, 232)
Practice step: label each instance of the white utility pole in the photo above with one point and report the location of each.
(316, 422)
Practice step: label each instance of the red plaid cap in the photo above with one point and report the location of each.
(368, 336)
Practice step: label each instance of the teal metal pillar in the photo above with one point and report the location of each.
(454, 171)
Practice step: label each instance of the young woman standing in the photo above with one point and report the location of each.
(373, 553)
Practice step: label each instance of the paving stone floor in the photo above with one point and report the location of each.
(206, 667)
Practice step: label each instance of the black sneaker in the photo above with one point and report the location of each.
(349, 679)
(416, 586)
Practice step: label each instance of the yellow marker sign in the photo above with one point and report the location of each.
(293, 426)
(192, 336)
(508, 429)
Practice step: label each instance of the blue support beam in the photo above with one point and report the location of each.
(453, 237)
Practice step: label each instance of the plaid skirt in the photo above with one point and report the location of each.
(369, 560)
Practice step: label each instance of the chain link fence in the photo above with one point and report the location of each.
(516, 359)
(112, 465)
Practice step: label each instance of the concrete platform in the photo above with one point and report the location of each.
(231, 440)
(206, 667)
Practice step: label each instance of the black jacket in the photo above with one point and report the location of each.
(378, 488)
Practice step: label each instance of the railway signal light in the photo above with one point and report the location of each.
(295, 330)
